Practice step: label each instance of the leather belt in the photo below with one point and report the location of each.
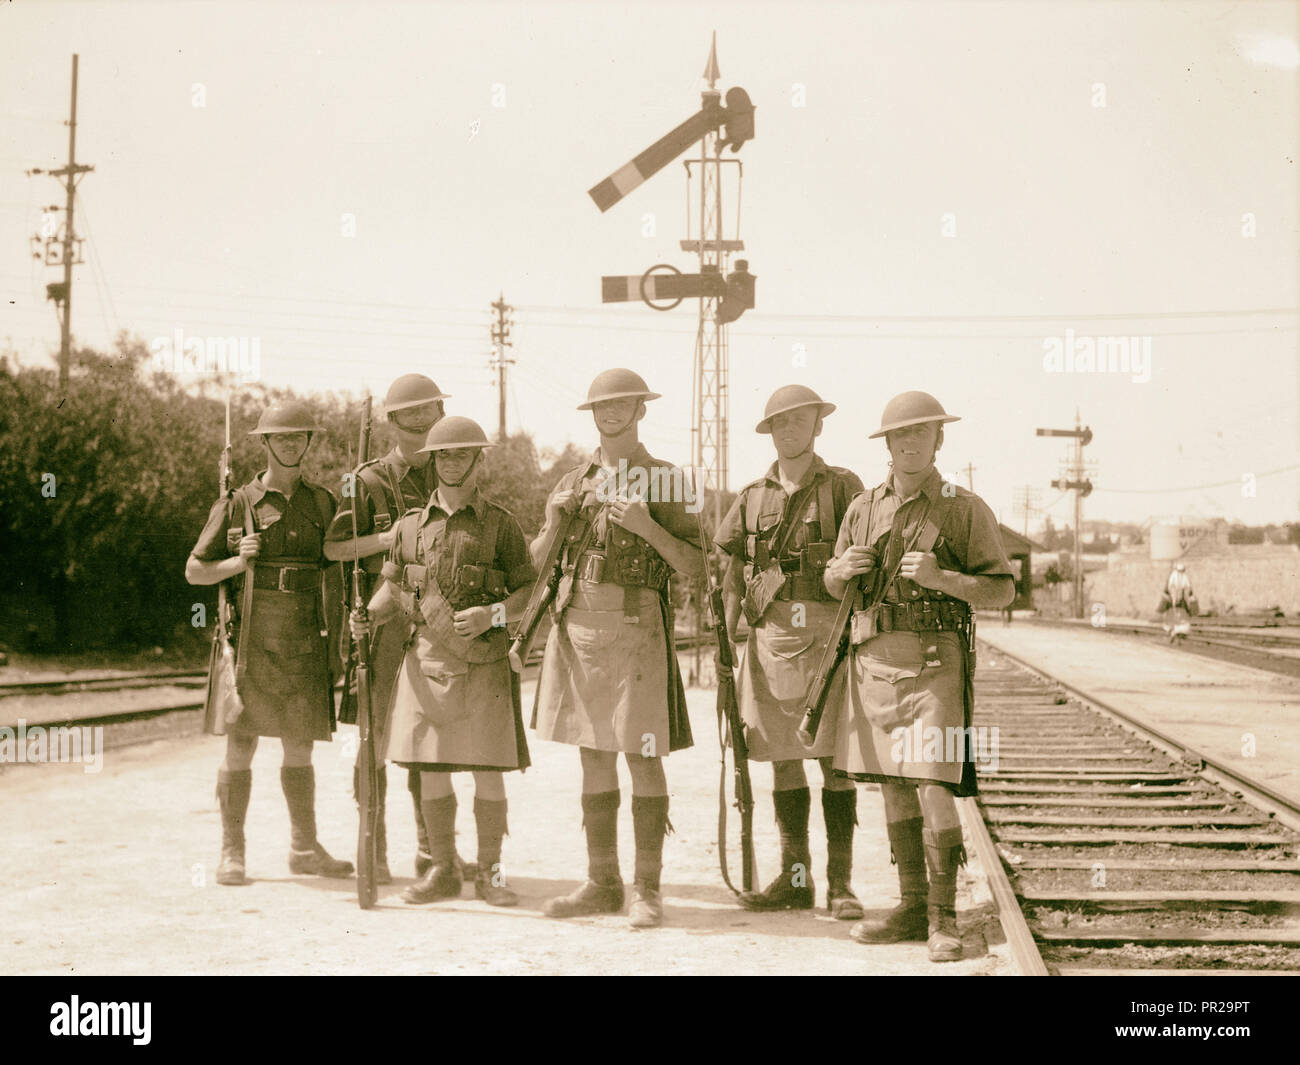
(923, 615)
(286, 578)
(595, 568)
(801, 587)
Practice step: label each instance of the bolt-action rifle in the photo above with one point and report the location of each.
(544, 590)
(367, 770)
(730, 728)
(222, 704)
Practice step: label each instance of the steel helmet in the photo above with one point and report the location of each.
(455, 432)
(791, 397)
(288, 417)
(411, 390)
(616, 384)
(911, 408)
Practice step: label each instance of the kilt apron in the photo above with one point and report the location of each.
(903, 720)
(447, 714)
(777, 666)
(605, 683)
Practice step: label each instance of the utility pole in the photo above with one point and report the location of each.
(970, 476)
(69, 246)
(1026, 502)
(501, 341)
(1077, 483)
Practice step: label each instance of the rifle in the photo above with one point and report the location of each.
(834, 653)
(222, 704)
(729, 724)
(367, 770)
(543, 593)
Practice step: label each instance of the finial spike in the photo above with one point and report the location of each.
(711, 71)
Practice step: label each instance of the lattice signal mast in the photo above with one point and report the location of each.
(723, 296)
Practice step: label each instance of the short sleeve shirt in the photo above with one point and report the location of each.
(402, 487)
(766, 500)
(969, 540)
(292, 529)
(457, 539)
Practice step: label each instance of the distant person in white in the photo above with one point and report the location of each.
(1179, 590)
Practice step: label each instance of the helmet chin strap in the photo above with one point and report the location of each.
(464, 476)
(277, 458)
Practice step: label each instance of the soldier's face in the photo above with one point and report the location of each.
(615, 416)
(288, 448)
(793, 431)
(417, 421)
(913, 446)
(453, 464)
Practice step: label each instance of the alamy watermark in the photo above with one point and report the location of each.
(179, 354)
(930, 744)
(654, 484)
(1092, 354)
(47, 743)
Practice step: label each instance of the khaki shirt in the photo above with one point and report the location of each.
(766, 501)
(401, 487)
(969, 540)
(292, 529)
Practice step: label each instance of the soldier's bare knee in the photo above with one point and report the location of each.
(787, 776)
(296, 752)
(901, 801)
(830, 781)
(240, 751)
(489, 785)
(939, 805)
(435, 785)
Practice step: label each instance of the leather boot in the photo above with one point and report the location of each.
(649, 825)
(423, 861)
(233, 789)
(603, 891)
(306, 855)
(793, 887)
(944, 853)
(442, 879)
(490, 879)
(840, 813)
(907, 921)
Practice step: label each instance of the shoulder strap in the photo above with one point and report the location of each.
(370, 477)
(826, 509)
(790, 522)
(491, 527)
(247, 517)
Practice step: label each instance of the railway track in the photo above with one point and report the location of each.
(1125, 851)
(154, 679)
(1275, 648)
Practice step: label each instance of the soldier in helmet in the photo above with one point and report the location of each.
(384, 489)
(780, 533)
(272, 532)
(609, 681)
(458, 569)
(929, 553)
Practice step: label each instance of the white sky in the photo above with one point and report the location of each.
(226, 219)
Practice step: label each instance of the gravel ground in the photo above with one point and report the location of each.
(111, 873)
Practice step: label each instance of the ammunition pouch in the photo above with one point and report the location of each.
(761, 588)
(437, 614)
(921, 615)
(479, 583)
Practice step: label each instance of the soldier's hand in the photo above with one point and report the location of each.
(559, 504)
(633, 516)
(249, 546)
(359, 625)
(855, 560)
(472, 621)
(921, 567)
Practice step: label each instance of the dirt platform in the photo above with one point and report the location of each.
(112, 873)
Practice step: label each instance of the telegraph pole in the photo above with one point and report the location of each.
(501, 341)
(70, 245)
(1026, 500)
(1080, 485)
(970, 476)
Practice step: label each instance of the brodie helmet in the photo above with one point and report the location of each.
(791, 397)
(288, 417)
(911, 408)
(455, 432)
(616, 384)
(411, 390)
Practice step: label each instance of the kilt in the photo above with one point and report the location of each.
(282, 673)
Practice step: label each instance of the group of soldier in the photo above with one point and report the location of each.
(450, 572)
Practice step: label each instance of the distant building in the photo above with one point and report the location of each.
(1020, 551)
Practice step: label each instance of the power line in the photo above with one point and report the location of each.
(1199, 487)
